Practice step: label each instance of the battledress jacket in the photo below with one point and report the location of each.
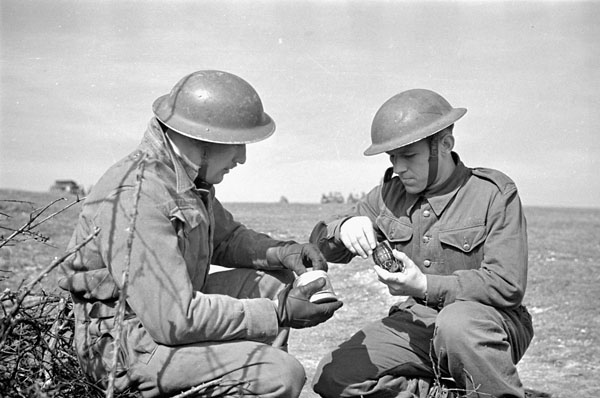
(468, 237)
(180, 230)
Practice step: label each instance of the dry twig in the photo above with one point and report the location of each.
(37, 358)
(30, 225)
(123, 294)
(8, 321)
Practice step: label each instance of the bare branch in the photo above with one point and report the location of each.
(123, 295)
(8, 322)
(59, 211)
(29, 225)
(200, 388)
(56, 326)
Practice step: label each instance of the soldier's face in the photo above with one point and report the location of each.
(221, 159)
(411, 164)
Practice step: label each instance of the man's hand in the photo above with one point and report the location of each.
(358, 236)
(410, 282)
(296, 311)
(297, 257)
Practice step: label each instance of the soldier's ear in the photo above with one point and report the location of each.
(447, 143)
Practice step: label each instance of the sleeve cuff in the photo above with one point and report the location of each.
(441, 290)
(333, 229)
(261, 319)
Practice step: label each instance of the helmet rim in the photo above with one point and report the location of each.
(214, 106)
(418, 134)
(205, 132)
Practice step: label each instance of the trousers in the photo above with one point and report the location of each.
(476, 345)
(243, 368)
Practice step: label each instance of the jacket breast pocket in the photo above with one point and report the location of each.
(394, 230)
(185, 220)
(191, 227)
(463, 247)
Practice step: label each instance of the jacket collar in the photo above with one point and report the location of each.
(185, 171)
(440, 197)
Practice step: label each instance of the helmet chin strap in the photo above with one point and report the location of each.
(203, 168)
(433, 160)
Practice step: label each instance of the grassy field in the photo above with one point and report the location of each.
(563, 293)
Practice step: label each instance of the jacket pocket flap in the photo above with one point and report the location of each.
(394, 230)
(188, 217)
(464, 239)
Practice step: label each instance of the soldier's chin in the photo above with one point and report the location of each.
(217, 179)
(412, 186)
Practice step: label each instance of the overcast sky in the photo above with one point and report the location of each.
(78, 79)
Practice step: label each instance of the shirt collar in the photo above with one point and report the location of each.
(440, 197)
(190, 168)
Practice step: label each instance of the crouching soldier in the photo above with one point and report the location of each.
(460, 236)
(185, 326)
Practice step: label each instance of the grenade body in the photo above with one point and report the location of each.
(383, 257)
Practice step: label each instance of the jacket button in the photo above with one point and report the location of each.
(466, 246)
(426, 213)
(426, 239)
(427, 263)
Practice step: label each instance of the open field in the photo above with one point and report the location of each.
(563, 293)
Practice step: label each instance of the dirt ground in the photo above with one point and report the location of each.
(563, 293)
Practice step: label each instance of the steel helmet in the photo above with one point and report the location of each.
(409, 117)
(214, 106)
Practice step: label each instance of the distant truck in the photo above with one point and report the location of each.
(68, 186)
(332, 197)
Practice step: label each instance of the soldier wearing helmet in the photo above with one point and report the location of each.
(460, 234)
(186, 326)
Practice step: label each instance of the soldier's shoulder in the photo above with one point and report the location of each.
(503, 182)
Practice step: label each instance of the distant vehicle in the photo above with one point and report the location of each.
(68, 186)
(352, 198)
(332, 197)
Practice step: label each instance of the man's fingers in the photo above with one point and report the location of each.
(312, 287)
(350, 244)
(399, 255)
(332, 307)
(360, 246)
(317, 259)
(366, 242)
(382, 274)
(360, 243)
(358, 236)
(371, 240)
(321, 266)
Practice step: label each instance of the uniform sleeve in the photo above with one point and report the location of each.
(235, 245)
(160, 291)
(326, 234)
(501, 280)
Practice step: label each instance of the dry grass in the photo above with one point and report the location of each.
(37, 358)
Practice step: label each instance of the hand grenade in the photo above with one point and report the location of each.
(383, 257)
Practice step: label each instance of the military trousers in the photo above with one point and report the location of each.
(474, 345)
(238, 368)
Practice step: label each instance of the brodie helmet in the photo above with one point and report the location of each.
(409, 117)
(214, 106)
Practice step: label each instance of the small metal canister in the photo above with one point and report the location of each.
(326, 294)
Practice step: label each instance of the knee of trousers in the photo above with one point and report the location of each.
(287, 377)
(456, 323)
(331, 379)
